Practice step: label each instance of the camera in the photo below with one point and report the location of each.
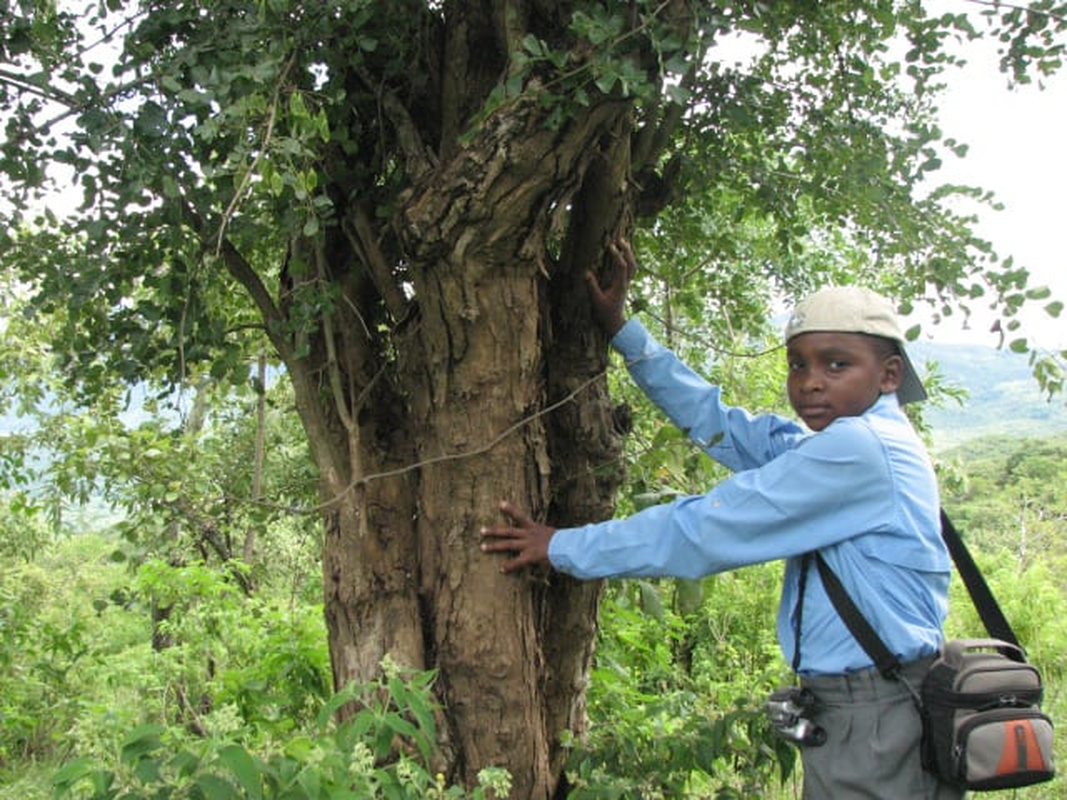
(789, 711)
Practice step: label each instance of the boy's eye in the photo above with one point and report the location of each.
(838, 364)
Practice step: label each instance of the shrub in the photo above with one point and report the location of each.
(383, 750)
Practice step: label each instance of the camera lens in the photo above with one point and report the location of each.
(788, 710)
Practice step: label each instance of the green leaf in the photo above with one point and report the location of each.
(297, 107)
(531, 44)
(72, 772)
(300, 747)
(645, 499)
(678, 94)
(140, 742)
(514, 83)
(147, 771)
(310, 783)
(690, 594)
(103, 780)
(184, 763)
(1038, 293)
(215, 788)
(606, 81)
(170, 188)
(651, 602)
(244, 768)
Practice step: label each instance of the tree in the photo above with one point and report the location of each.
(1012, 496)
(402, 198)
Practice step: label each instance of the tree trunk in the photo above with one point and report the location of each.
(496, 391)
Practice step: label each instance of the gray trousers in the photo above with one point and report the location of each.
(873, 730)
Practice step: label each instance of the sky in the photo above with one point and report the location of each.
(1016, 139)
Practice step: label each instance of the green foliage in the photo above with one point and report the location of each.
(676, 699)
(255, 664)
(237, 704)
(177, 473)
(23, 531)
(1010, 508)
(56, 633)
(1013, 497)
(80, 669)
(353, 759)
(219, 145)
(244, 169)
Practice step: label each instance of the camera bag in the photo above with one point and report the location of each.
(983, 727)
(980, 702)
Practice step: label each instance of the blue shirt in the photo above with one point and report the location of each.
(862, 491)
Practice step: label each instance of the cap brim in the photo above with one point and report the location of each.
(911, 389)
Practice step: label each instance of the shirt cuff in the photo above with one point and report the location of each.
(631, 340)
(554, 544)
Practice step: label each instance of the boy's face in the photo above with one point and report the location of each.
(835, 375)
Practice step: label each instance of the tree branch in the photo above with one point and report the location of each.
(419, 159)
(22, 83)
(1017, 7)
(245, 275)
(360, 234)
(344, 413)
(268, 134)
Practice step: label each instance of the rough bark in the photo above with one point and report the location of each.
(468, 411)
(482, 380)
(513, 653)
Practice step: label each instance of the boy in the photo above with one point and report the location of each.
(857, 486)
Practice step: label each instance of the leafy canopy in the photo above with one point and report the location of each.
(224, 152)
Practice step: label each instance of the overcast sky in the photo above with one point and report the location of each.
(1017, 150)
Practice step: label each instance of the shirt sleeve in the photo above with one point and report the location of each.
(732, 436)
(830, 487)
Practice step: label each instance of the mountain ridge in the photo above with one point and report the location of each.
(1003, 397)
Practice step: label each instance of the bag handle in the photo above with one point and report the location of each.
(954, 650)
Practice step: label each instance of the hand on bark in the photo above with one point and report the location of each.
(609, 302)
(525, 539)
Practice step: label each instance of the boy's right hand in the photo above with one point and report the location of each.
(609, 302)
(524, 541)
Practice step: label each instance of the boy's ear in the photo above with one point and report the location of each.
(892, 374)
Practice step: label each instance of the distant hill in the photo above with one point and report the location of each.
(1003, 397)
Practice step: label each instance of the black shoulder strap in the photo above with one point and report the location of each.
(888, 664)
(988, 609)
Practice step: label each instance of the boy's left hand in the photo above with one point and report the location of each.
(609, 301)
(525, 539)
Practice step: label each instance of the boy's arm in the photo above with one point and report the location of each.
(730, 435)
(829, 489)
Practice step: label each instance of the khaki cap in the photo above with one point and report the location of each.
(853, 309)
